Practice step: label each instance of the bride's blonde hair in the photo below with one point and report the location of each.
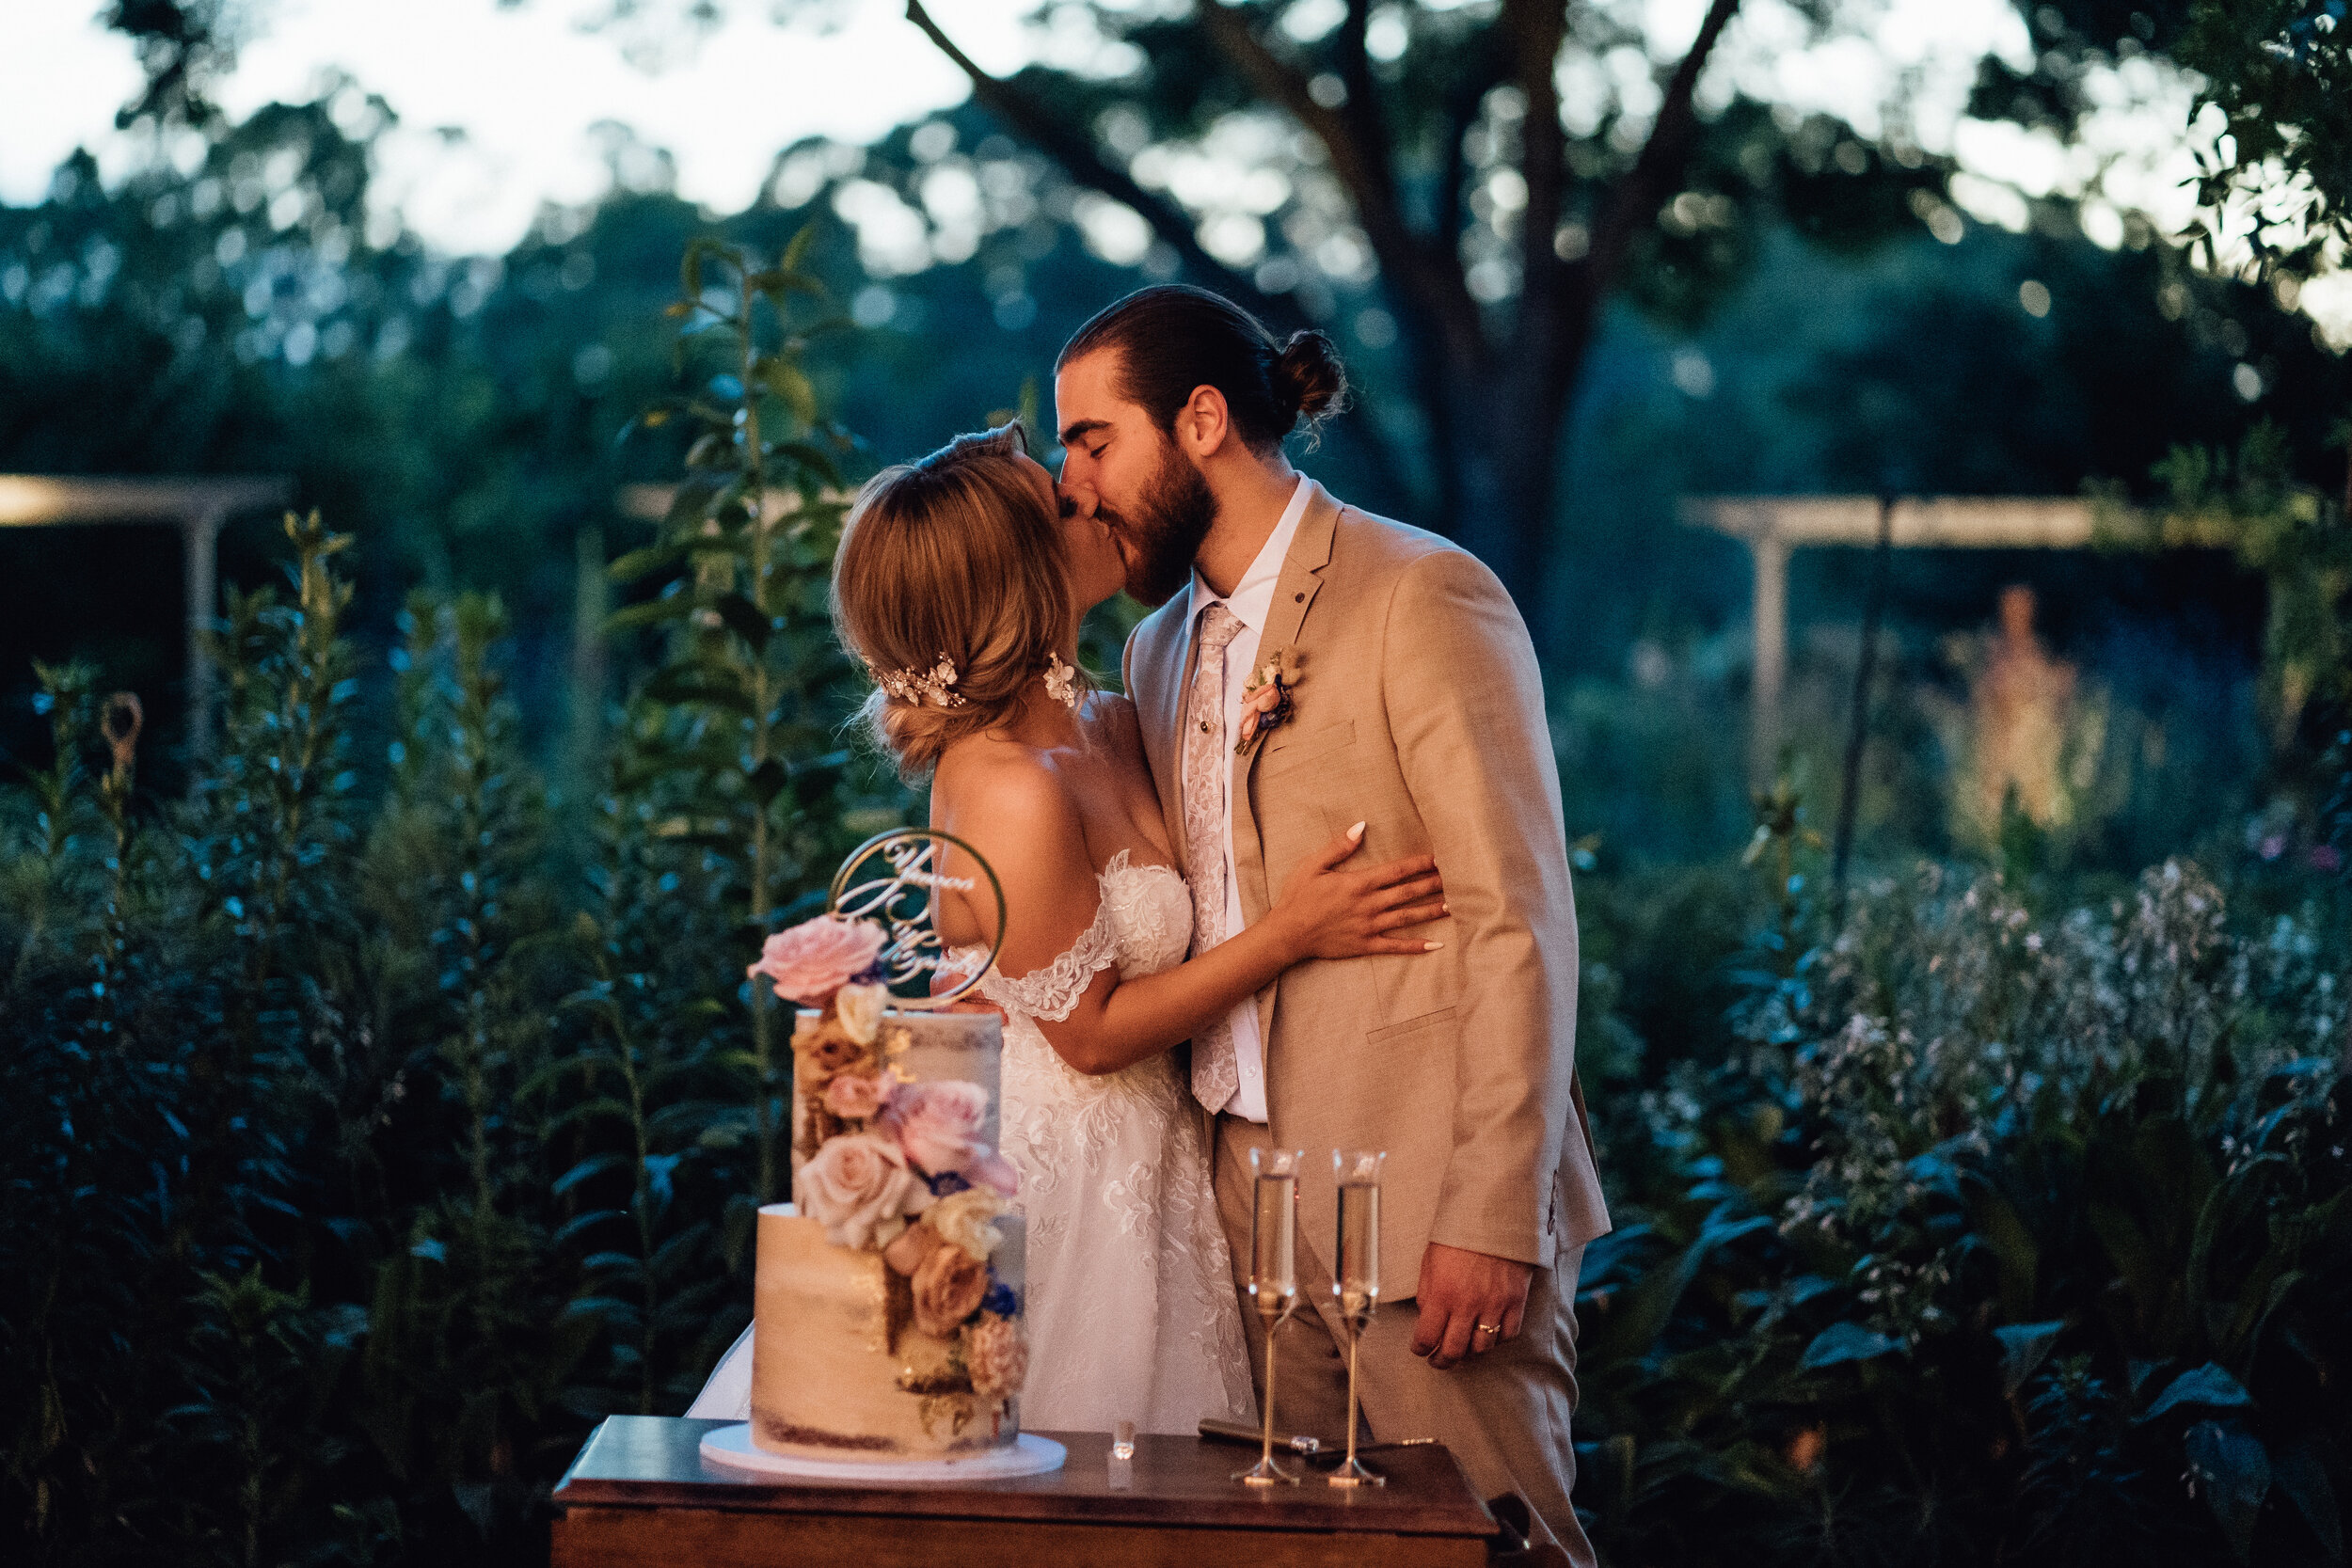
(950, 584)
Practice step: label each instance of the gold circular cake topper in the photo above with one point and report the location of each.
(898, 895)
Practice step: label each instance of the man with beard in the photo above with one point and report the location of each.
(1309, 667)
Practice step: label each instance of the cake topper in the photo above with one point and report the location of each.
(899, 895)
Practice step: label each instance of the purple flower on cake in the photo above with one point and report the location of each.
(813, 960)
(948, 1285)
(858, 1187)
(938, 1125)
(996, 1355)
(859, 1096)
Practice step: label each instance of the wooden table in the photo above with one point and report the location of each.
(641, 1495)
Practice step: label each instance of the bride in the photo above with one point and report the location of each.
(961, 581)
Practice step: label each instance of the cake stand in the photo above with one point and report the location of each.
(1029, 1455)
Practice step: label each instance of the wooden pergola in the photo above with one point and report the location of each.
(1774, 526)
(197, 507)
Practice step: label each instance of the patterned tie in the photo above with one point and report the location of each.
(1207, 766)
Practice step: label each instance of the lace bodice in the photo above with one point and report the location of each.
(1132, 1311)
(1143, 925)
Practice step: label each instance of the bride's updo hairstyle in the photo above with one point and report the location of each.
(1173, 338)
(953, 559)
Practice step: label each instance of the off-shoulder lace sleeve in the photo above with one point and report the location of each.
(1052, 993)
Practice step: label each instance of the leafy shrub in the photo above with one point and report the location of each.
(2012, 1236)
(374, 1131)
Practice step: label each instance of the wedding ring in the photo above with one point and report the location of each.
(1489, 1328)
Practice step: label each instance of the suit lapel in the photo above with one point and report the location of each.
(1294, 593)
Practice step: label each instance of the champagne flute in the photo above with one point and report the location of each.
(1273, 1277)
(1356, 1280)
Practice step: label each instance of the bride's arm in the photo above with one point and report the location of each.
(1024, 822)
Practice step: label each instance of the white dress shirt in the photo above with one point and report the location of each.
(1250, 602)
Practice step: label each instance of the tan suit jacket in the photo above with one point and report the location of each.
(1420, 711)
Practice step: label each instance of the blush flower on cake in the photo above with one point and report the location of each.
(859, 1096)
(813, 960)
(858, 1187)
(948, 1287)
(938, 1125)
(996, 1355)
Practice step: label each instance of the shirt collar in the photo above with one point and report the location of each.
(1252, 598)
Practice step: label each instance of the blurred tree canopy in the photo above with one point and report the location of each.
(1419, 178)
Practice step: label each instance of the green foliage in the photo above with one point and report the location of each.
(2281, 72)
(2249, 502)
(370, 1130)
(2013, 1236)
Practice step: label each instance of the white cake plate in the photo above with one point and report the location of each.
(1029, 1455)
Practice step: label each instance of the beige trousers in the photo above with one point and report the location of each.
(1504, 1413)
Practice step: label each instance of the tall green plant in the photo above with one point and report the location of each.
(741, 711)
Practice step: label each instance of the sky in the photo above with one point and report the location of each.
(526, 84)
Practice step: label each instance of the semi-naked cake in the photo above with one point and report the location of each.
(887, 1306)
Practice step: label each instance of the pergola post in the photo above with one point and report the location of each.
(199, 543)
(1773, 526)
(1770, 612)
(197, 507)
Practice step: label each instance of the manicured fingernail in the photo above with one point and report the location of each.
(1445, 909)
(1431, 946)
(1356, 832)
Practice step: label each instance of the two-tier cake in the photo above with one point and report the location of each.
(888, 1304)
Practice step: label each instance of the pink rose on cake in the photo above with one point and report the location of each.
(938, 1126)
(858, 1187)
(996, 1355)
(859, 1096)
(813, 960)
(948, 1285)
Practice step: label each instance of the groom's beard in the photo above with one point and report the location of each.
(1164, 533)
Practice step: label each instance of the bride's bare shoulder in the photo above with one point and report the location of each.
(998, 788)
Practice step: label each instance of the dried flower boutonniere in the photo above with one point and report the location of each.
(1265, 701)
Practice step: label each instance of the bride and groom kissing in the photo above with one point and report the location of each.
(1305, 885)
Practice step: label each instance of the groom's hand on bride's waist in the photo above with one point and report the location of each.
(1471, 1302)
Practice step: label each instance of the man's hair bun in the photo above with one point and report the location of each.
(1172, 338)
(1309, 377)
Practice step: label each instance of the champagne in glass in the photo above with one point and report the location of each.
(1356, 1280)
(1273, 1277)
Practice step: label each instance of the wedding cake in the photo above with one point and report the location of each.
(886, 1313)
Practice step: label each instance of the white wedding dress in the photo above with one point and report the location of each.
(1131, 1310)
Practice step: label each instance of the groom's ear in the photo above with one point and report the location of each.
(1205, 423)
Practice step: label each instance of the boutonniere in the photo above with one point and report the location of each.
(1265, 701)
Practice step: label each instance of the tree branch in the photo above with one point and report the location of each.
(1537, 29)
(1661, 160)
(1078, 157)
(1433, 283)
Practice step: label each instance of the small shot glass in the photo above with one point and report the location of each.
(1123, 1441)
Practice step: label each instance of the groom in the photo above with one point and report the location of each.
(1416, 707)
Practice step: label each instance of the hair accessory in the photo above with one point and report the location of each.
(1060, 680)
(934, 685)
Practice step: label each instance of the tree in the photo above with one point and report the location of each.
(1498, 231)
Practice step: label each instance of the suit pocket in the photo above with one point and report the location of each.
(1286, 751)
(1425, 1021)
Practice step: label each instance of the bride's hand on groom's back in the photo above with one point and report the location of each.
(1329, 909)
